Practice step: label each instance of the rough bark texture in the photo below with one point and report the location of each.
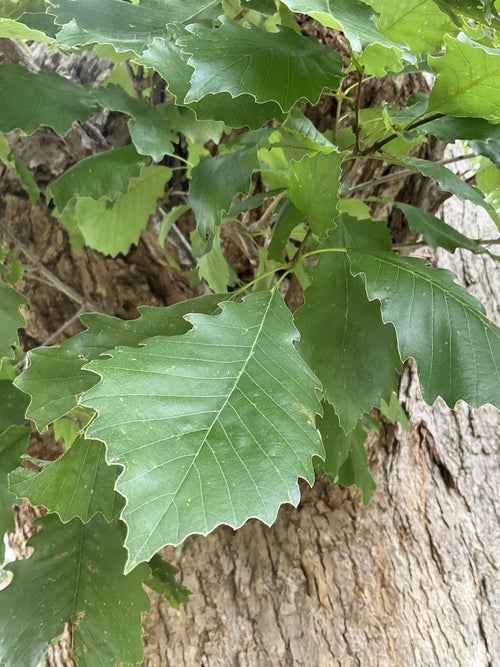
(410, 580)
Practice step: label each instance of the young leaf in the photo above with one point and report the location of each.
(55, 379)
(10, 29)
(79, 484)
(476, 92)
(41, 98)
(343, 338)
(419, 23)
(113, 227)
(337, 444)
(13, 444)
(314, 187)
(163, 581)
(438, 323)
(211, 427)
(355, 470)
(241, 59)
(213, 267)
(75, 574)
(10, 318)
(436, 232)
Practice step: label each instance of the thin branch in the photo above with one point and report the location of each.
(265, 218)
(56, 282)
(374, 148)
(357, 108)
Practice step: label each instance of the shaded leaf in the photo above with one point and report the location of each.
(13, 161)
(337, 444)
(213, 267)
(394, 412)
(13, 404)
(41, 98)
(75, 574)
(163, 582)
(436, 232)
(167, 59)
(78, 484)
(241, 59)
(476, 91)
(55, 379)
(128, 27)
(10, 318)
(13, 444)
(355, 470)
(314, 189)
(446, 179)
(215, 426)
(105, 174)
(451, 128)
(438, 323)
(343, 338)
(150, 128)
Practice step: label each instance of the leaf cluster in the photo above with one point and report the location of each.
(209, 411)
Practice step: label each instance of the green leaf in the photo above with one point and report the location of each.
(168, 60)
(355, 470)
(216, 180)
(13, 444)
(343, 338)
(241, 59)
(13, 404)
(438, 323)
(113, 227)
(211, 427)
(436, 232)
(41, 98)
(337, 443)
(79, 484)
(10, 29)
(55, 379)
(446, 179)
(451, 128)
(213, 267)
(10, 318)
(149, 126)
(314, 188)
(476, 91)
(128, 27)
(163, 581)
(105, 174)
(13, 161)
(354, 18)
(75, 574)
(420, 23)
(393, 411)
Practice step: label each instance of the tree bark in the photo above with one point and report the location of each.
(412, 579)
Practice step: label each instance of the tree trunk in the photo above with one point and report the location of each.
(412, 579)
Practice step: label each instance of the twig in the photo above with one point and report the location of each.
(265, 218)
(374, 148)
(53, 279)
(357, 107)
(182, 240)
